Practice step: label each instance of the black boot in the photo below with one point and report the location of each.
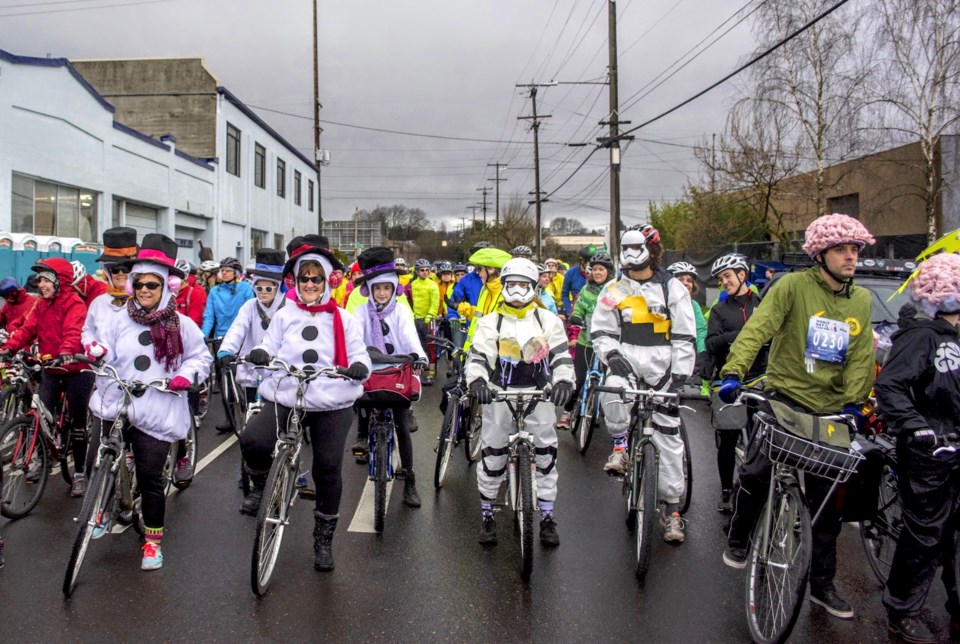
(251, 503)
(410, 496)
(323, 529)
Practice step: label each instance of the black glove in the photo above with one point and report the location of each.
(562, 393)
(926, 437)
(618, 365)
(356, 371)
(576, 321)
(676, 384)
(223, 362)
(376, 355)
(65, 359)
(480, 391)
(259, 357)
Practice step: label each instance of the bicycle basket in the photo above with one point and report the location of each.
(393, 386)
(826, 461)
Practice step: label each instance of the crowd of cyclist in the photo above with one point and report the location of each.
(524, 324)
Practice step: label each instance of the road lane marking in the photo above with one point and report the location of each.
(363, 517)
(209, 458)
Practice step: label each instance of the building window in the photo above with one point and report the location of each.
(845, 204)
(310, 195)
(281, 178)
(258, 240)
(43, 208)
(296, 187)
(233, 150)
(278, 241)
(259, 166)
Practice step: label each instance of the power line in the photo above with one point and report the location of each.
(48, 11)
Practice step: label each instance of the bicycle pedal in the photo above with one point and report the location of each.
(307, 494)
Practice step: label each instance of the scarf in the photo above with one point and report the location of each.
(375, 317)
(262, 312)
(164, 331)
(339, 339)
(119, 296)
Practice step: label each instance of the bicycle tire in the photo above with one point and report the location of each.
(648, 512)
(773, 586)
(524, 509)
(14, 441)
(9, 405)
(91, 512)
(446, 442)
(190, 445)
(631, 486)
(588, 421)
(880, 534)
(67, 463)
(380, 457)
(278, 497)
(473, 445)
(234, 407)
(687, 470)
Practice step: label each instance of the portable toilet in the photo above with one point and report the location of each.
(25, 253)
(83, 252)
(7, 263)
(50, 246)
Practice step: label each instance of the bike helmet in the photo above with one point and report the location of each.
(828, 231)
(459, 268)
(79, 271)
(682, 268)
(422, 263)
(634, 253)
(651, 234)
(542, 268)
(400, 262)
(233, 264)
(551, 260)
(209, 266)
(936, 285)
(186, 267)
(604, 260)
(735, 261)
(587, 252)
(8, 286)
(522, 251)
(516, 272)
(444, 267)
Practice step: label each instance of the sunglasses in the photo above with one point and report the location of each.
(118, 270)
(303, 279)
(150, 286)
(265, 289)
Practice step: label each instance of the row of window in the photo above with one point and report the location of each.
(260, 169)
(43, 208)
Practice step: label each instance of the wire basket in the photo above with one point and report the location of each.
(826, 461)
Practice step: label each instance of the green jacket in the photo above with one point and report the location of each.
(583, 309)
(783, 317)
(426, 298)
(701, 326)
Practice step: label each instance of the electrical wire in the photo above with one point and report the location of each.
(73, 9)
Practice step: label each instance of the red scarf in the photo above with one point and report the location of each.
(339, 339)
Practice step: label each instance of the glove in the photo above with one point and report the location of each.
(356, 371)
(65, 359)
(480, 391)
(419, 364)
(223, 358)
(94, 352)
(856, 411)
(562, 393)
(926, 437)
(465, 310)
(259, 357)
(730, 388)
(576, 321)
(618, 365)
(178, 383)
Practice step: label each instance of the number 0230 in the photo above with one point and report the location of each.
(827, 340)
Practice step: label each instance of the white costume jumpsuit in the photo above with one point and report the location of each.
(247, 331)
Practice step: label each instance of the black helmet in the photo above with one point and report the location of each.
(587, 252)
(604, 260)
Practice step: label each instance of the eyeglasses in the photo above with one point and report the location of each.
(119, 270)
(265, 289)
(303, 279)
(150, 286)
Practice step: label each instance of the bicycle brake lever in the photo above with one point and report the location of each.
(948, 449)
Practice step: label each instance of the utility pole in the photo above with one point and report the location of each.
(474, 209)
(484, 190)
(498, 165)
(535, 126)
(317, 157)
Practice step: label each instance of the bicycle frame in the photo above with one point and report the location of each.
(382, 422)
(521, 436)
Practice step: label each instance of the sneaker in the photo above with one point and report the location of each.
(152, 556)
(735, 557)
(617, 462)
(183, 471)
(79, 485)
(33, 471)
(225, 428)
(832, 602)
(301, 480)
(103, 527)
(726, 502)
(548, 532)
(910, 629)
(673, 532)
(564, 422)
(488, 531)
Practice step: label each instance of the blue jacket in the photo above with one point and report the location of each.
(573, 281)
(466, 290)
(223, 304)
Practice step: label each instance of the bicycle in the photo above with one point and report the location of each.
(28, 443)
(112, 494)
(280, 489)
(21, 377)
(780, 549)
(459, 418)
(234, 398)
(645, 510)
(586, 413)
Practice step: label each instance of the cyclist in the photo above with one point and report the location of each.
(312, 332)
(445, 284)
(459, 272)
(404, 278)
(788, 316)
(425, 297)
(643, 330)
(522, 251)
(575, 279)
(687, 274)
(17, 304)
(389, 330)
(209, 270)
(543, 289)
(88, 287)
(339, 286)
(727, 317)
(191, 298)
(488, 261)
(152, 341)
(918, 394)
(601, 272)
(556, 283)
(56, 325)
(519, 345)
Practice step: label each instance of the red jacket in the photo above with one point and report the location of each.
(89, 288)
(192, 300)
(56, 323)
(13, 313)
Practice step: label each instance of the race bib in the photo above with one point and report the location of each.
(827, 340)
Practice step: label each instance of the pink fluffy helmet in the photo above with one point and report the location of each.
(936, 286)
(833, 230)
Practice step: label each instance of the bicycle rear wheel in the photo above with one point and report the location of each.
(687, 470)
(190, 451)
(380, 457)
(524, 508)
(272, 519)
(446, 442)
(880, 534)
(10, 406)
(777, 573)
(588, 422)
(92, 513)
(648, 512)
(234, 401)
(24, 470)
(474, 419)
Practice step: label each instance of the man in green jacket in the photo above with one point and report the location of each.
(426, 302)
(821, 360)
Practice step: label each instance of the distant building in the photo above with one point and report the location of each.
(574, 243)
(351, 236)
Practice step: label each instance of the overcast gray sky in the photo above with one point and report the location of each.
(437, 67)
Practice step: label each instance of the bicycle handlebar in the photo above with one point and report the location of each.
(625, 392)
(108, 371)
(297, 372)
(519, 394)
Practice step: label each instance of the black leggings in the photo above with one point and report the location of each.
(581, 363)
(727, 456)
(328, 438)
(402, 418)
(76, 389)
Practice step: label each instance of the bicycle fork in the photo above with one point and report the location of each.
(513, 474)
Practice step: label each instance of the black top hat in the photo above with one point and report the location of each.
(159, 249)
(269, 264)
(376, 261)
(119, 244)
(318, 244)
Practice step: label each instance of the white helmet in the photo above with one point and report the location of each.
(736, 261)
(682, 268)
(519, 269)
(79, 271)
(633, 250)
(210, 266)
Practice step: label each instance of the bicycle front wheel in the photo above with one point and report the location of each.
(93, 513)
(446, 442)
(524, 508)
(190, 451)
(687, 470)
(880, 533)
(380, 457)
(9, 404)
(234, 401)
(272, 519)
(648, 512)
(587, 421)
(473, 444)
(778, 569)
(24, 467)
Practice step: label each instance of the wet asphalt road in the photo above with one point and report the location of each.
(424, 579)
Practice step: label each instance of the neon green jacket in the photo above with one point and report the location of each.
(426, 298)
(783, 317)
